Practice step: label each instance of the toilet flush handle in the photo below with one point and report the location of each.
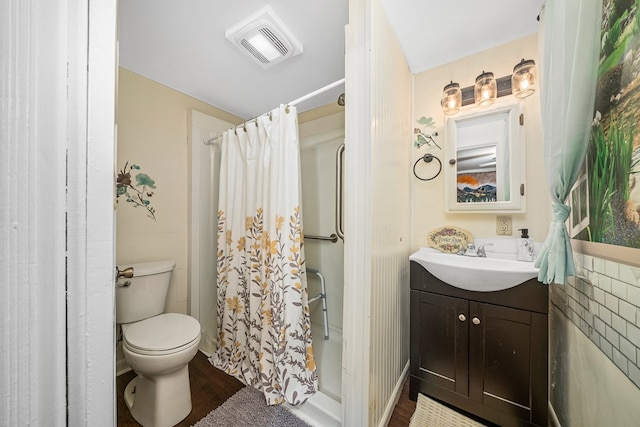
(127, 273)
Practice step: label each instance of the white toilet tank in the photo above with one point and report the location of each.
(146, 294)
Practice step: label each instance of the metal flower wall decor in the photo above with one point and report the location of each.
(138, 194)
(426, 134)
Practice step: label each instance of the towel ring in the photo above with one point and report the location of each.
(427, 158)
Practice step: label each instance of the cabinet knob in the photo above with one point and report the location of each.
(475, 321)
(462, 317)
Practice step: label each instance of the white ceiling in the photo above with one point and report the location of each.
(182, 44)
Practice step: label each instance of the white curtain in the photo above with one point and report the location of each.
(264, 331)
(570, 46)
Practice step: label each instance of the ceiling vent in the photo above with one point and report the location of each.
(264, 38)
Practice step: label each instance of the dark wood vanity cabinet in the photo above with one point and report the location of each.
(482, 352)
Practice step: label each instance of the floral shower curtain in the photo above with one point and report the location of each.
(264, 331)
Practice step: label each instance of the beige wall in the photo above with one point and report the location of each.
(152, 133)
(428, 196)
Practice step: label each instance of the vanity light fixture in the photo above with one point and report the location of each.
(487, 88)
(451, 98)
(485, 91)
(523, 79)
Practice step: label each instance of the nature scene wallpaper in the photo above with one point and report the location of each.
(611, 200)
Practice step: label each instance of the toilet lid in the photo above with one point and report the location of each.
(161, 333)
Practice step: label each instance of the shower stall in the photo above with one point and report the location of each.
(321, 154)
(321, 149)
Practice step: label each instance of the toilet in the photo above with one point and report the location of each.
(158, 346)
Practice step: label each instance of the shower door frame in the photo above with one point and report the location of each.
(202, 127)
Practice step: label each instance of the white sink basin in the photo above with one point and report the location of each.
(473, 273)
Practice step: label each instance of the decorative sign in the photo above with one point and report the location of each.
(449, 239)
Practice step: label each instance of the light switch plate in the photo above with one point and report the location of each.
(503, 225)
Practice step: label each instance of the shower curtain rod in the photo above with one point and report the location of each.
(216, 138)
(317, 92)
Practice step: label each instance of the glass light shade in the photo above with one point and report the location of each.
(523, 79)
(451, 98)
(485, 91)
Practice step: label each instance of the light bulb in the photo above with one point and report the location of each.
(485, 90)
(451, 98)
(523, 79)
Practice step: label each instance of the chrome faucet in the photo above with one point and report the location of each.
(481, 251)
(469, 251)
(472, 251)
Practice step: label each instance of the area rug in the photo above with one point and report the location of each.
(430, 413)
(248, 408)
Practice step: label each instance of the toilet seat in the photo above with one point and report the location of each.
(160, 335)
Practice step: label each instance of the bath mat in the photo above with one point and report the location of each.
(248, 408)
(430, 413)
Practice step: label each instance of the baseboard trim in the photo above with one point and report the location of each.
(395, 396)
(553, 417)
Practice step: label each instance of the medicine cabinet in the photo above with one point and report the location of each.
(484, 152)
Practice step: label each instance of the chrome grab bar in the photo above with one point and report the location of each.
(339, 176)
(333, 238)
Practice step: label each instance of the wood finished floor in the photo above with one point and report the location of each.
(404, 409)
(210, 387)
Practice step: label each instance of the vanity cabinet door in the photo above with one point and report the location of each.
(507, 360)
(440, 341)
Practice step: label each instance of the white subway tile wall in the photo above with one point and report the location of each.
(603, 301)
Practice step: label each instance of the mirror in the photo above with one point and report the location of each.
(484, 148)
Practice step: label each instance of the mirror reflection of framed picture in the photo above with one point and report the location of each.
(477, 175)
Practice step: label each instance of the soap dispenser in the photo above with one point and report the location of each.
(524, 250)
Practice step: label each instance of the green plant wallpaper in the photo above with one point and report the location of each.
(613, 157)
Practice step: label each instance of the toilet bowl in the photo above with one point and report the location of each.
(157, 346)
(159, 349)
